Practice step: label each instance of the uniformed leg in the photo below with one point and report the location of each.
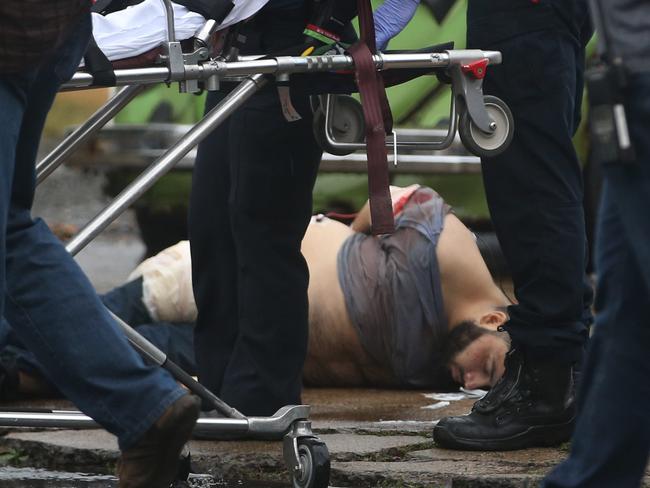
(534, 192)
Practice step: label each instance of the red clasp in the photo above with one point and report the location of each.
(477, 69)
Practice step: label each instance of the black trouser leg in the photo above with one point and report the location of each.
(214, 259)
(270, 211)
(534, 191)
(251, 203)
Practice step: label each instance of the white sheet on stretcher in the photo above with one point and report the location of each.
(143, 27)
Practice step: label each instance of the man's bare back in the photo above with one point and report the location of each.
(336, 356)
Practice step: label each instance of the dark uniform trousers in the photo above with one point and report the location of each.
(250, 206)
(534, 189)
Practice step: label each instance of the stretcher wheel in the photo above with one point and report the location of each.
(348, 125)
(315, 464)
(483, 144)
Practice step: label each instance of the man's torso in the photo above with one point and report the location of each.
(376, 305)
(335, 356)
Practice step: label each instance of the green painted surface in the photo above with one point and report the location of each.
(184, 108)
(413, 99)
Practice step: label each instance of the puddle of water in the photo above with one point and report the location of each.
(40, 478)
(33, 478)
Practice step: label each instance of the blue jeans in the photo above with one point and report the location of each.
(175, 339)
(56, 312)
(611, 442)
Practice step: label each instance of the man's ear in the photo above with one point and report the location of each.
(492, 320)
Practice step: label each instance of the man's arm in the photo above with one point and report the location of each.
(363, 223)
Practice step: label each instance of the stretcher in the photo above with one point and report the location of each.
(484, 124)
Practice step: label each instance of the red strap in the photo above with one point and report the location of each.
(378, 120)
(367, 28)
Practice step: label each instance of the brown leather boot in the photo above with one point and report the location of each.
(152, 462)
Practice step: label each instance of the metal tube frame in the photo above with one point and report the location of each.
(166, 162)
(169, 14)
(444, 143)
(233, 424)
(274, 427)
(136, 189)
(72, 142)
(236, 424)
(287, 65)
(408, 163)
(237, 97)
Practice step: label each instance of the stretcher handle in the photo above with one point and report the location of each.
(169, 14)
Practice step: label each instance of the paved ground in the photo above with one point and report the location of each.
(376, 438)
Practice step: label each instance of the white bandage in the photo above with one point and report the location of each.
(167, 284)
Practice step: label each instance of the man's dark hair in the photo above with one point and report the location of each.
(462, 335)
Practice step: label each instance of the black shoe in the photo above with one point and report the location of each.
(531, 405)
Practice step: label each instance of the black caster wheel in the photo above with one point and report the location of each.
(315, 464)
(348, 125)
(481, 143)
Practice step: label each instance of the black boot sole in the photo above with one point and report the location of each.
(534, 436)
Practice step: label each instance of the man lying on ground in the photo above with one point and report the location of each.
(393, 311)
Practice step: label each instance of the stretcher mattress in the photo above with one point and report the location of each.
(143, 27)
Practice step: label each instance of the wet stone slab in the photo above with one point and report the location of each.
(379, 412)
(378, 439)
(94, 449)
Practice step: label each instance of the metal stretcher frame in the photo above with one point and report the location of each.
(290, 423)
(254, 72)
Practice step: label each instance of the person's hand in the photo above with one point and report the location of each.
(391, 18)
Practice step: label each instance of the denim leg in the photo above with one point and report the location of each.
(173, 339)
(176, 340)
(48, 300)
(13, 100)
(125, 301)
(612, 437)
(12, 351)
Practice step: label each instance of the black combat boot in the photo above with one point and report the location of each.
(531, 405)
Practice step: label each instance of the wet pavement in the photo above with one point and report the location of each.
(376, 438)
(11, 477)
(72, 197)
